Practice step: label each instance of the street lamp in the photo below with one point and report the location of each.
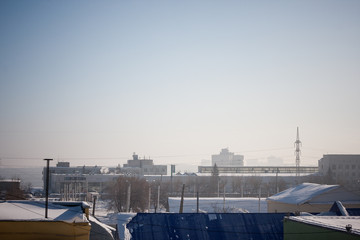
(128, 197)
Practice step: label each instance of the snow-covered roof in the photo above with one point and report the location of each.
(9, 180)
(301, 193)
(101, 228)
(35, 211)
(333, 222)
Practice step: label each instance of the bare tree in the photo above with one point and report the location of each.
(237, 184)
(315, 179)
(254, 184)
(117, 194)
(214, 181)
(204, 185)
(177, 186)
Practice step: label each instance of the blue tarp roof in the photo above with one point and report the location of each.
(255, 226)
(353, 211)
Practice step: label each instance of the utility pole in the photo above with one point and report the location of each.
(158, 198)
(277, 185)
(171, 178)
(242, 189)
(149, 197)
(224, 200)
(197, 201)
(182, 200)
(128, 198)
(94, 203)
(47, 186)
(297, 153)
(259, 198)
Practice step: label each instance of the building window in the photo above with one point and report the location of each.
(340, 166)
(333, 166)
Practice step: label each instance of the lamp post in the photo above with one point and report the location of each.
(158, 198)
(149, 198)
(47, 185)
(128, 197)
(171, 186)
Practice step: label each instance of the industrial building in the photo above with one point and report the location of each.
(145, 166)
(311, 197)
(74, 183)
(343, 169)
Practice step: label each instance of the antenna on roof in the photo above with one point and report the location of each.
(297, 152)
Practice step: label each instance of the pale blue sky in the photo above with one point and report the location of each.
(81, 80)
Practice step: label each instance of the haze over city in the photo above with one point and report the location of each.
(91, 82)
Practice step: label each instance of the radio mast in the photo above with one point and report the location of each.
(297, 153)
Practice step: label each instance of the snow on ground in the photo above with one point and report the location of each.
(113, 219)
(217, 205)
(123, 219)
(103, 214)
(118, 220)
(101, 208)
(100, 230)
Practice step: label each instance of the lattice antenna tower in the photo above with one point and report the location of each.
(297, 152)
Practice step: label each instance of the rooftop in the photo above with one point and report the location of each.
(301, 193)
(333, 222)
(35, 211)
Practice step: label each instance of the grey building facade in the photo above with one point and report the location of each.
(145, 166)
(226, 158)
(343, 169)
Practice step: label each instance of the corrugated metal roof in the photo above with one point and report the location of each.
(256, 226)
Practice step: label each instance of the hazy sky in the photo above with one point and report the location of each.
(91, 82)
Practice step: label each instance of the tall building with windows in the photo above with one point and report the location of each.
(343, 169)
(226, 158)
(146, 166)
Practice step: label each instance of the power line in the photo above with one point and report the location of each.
(155, 156)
